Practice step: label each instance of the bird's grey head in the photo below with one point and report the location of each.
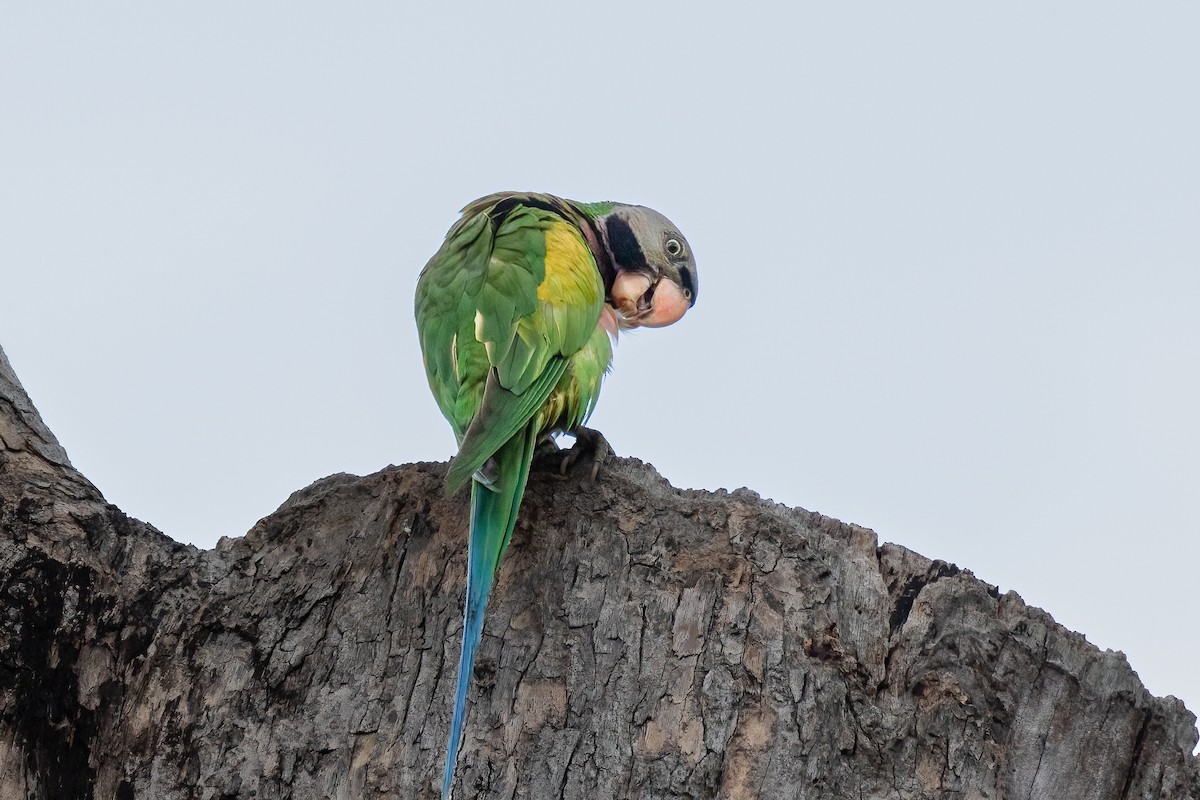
(656, 279)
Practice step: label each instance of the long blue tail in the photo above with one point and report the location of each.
(493, 517)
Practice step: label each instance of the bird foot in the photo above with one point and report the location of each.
(488, 473)
(547, 451)
(590, 445)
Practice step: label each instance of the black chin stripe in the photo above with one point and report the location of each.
(685, 277)
(624, 245)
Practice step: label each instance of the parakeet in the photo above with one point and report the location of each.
(517, 313)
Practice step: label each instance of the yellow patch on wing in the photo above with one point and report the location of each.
(569, 265)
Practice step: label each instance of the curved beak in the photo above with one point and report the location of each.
(644, 302)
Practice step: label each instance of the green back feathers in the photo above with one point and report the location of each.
(595, 210)
(512, 294)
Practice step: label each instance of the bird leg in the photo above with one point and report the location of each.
(546, 450)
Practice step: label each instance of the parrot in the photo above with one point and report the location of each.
(517, 313)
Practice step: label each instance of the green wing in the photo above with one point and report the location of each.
(510, 296)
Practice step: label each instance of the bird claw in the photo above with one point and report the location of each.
(547, 456)
(488, 473)
(591, 444)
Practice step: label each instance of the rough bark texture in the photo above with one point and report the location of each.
(643, 642)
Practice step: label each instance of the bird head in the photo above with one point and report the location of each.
(656, 280)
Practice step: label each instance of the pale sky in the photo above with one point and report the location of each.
(949, 256)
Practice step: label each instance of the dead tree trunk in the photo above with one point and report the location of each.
(643, 642)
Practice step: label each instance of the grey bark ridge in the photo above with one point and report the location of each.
(642, 642)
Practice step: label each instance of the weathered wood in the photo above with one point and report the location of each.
(643, 642)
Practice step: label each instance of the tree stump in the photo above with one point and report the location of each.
(642, 642)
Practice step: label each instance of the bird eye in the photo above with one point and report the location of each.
(674, 248)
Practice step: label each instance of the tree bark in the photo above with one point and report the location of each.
(642, 642)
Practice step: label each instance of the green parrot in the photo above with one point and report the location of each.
(517, 314)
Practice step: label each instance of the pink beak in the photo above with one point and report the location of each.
(647, 305)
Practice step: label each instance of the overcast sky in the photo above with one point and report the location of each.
(949, 257)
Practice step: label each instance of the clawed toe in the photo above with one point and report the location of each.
(590, 445)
